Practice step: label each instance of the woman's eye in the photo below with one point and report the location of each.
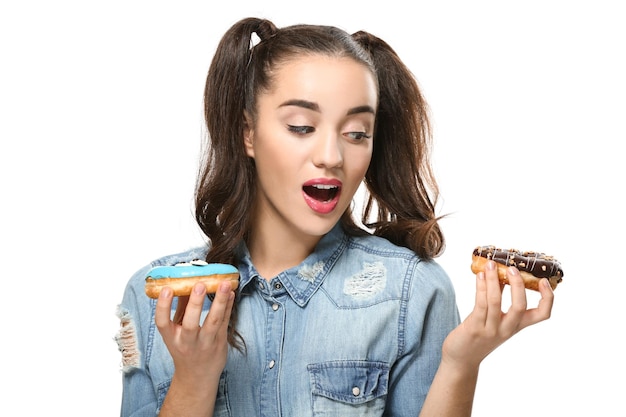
(300, 130)
(358, 135)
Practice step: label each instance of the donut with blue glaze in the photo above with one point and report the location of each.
(183, 276)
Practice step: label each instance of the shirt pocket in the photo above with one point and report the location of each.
(348, 388)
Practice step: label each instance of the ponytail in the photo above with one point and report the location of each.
(400, 181)
(226, 183)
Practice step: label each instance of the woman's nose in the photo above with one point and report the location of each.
(328, 151)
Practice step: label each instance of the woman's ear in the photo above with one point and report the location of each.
(248, 134)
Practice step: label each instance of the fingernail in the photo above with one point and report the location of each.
(166, 292)
(513, 271)
(491, 265)
(198, 289)
(225, 287)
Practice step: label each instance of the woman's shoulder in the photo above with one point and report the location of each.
(196, 253)
(379, 246)
(398, 258)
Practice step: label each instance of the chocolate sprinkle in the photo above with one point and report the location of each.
(536, 263)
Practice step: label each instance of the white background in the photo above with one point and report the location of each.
(100, 132)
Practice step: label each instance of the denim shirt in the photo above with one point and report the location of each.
(355, 330)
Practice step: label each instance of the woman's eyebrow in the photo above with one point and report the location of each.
(309, 105)
(301, 103)
(361, 109)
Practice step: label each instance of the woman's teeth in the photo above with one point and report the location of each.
(321, 192)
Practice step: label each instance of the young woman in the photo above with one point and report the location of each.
(334, 315)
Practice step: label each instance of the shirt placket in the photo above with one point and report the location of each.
(272, 292)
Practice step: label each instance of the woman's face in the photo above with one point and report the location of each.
(312, 143)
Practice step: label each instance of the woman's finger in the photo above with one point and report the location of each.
(494, 298)
(221, 308)
(479, 315)
(193, 311)
(518, 291)
(163, 310)
(544, 308)
(512, 319)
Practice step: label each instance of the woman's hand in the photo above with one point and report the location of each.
(199, 351)
(487, 326)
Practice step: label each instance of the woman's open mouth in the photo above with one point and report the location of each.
(322, 195)
(321, 192)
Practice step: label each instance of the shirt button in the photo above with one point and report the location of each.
(272, 363)
(278, 286)
(274, 306)
(356, 391)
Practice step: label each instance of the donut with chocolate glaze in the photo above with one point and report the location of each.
(533, 266)
(182, 276)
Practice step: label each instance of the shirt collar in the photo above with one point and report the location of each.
(301, 281)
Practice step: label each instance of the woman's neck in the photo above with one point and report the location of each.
(274, 250)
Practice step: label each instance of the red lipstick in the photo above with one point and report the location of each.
(322, 194)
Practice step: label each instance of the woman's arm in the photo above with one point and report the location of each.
(487, 327)
(199, 352)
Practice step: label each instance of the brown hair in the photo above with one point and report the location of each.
(401, 186)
